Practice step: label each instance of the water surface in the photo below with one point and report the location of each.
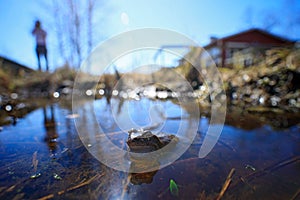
(263, 149)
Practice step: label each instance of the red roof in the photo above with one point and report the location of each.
(253, 36)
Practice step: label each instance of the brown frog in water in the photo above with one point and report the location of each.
(147, 142)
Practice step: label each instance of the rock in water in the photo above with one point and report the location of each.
(147, 142)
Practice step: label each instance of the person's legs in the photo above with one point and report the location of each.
(46, 59)
(38, 58)
(42, 51)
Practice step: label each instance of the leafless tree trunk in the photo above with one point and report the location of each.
(58, 23)
(73, 22)
(91, 6)
(75, 32)
(288, 22)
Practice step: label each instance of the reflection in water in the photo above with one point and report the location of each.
(246, 140)
(140, 178)
(139, 163)
(50, 127)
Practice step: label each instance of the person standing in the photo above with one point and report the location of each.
(40, 37)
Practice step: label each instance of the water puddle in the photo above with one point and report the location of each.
(42, 156)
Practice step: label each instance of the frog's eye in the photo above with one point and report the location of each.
(133, 130)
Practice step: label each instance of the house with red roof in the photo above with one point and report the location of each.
(244, 48)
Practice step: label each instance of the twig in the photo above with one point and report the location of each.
(226, 145)
(244, 181)
(226, 184)
(35, 161)
(185, 160)
(50, 196)
(272, 168)
(267, 170)
(74, 187)
(85, 182)
(13, 187)
(125, 186)
(297, 194)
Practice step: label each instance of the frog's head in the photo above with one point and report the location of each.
(133, 130)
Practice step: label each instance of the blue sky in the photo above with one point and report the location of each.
(197, 19)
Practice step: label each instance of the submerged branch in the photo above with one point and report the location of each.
(267, 170)
(226, 184)
(272, 168)
(73, 187)
(297, 194)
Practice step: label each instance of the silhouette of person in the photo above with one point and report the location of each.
(40, 37)
(51, 134)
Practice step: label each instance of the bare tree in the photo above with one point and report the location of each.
(248, 16)
(270, 21)
(91, 7)
(73, 23)
(284, 20)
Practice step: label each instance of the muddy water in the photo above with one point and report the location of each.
(42, 156)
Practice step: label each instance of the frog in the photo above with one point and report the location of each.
(147, 141)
